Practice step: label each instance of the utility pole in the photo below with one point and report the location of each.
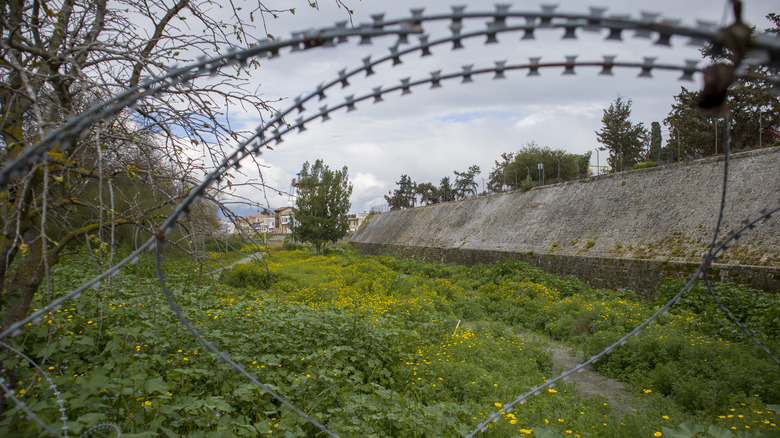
(716, 136)
(679, 156)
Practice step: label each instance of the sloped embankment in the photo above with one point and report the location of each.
(621, 230)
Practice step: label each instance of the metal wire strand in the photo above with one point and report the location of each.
(712, 253)
(547, 18)
(222, 356)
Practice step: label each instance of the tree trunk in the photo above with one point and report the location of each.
(20, 289)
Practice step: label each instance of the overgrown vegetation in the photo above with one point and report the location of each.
(369, 347)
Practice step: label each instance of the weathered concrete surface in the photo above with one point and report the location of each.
(620, 230)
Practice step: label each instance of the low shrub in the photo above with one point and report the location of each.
(255, 248)
(291, 246)
(758, 310)
(645, 165)
(701, 373)
(247, 275)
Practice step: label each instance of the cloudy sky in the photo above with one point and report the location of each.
(433, 132)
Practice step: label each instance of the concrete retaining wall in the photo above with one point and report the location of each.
(622, 230)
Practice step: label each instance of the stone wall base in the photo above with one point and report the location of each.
(641, 276)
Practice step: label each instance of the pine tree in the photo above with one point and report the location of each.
(497, 181)
(320, 211)
(428, 192)
(446, 192)
(405, 196)
(464, 182)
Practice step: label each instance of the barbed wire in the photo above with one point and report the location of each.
(723, 308)
(747, 225)
(223, 356)
(715, 248)
(766, 50)
(10, 394)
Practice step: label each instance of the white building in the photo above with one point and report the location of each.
(226, 226)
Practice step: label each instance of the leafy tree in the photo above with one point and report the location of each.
(750, 101)
(583, 164)
(59, 58)
(655, 141)
(428, 192)
(321, 208)
(465, 183)
(405, 196)
(751, 104)
(446, 192)
(522, 165)
(691, 134)
(623, 139)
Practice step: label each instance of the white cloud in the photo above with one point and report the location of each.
(365, 187)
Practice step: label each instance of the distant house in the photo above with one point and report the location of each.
(769, 136)
(355, 220)
(262, 223)
(244, 225)
(283, 219)
(257, 224)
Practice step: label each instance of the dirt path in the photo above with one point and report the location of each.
(246, 259)
(590, 383)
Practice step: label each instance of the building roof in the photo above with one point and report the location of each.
(774, 133)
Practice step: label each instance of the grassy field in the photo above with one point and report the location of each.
(368, 346)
